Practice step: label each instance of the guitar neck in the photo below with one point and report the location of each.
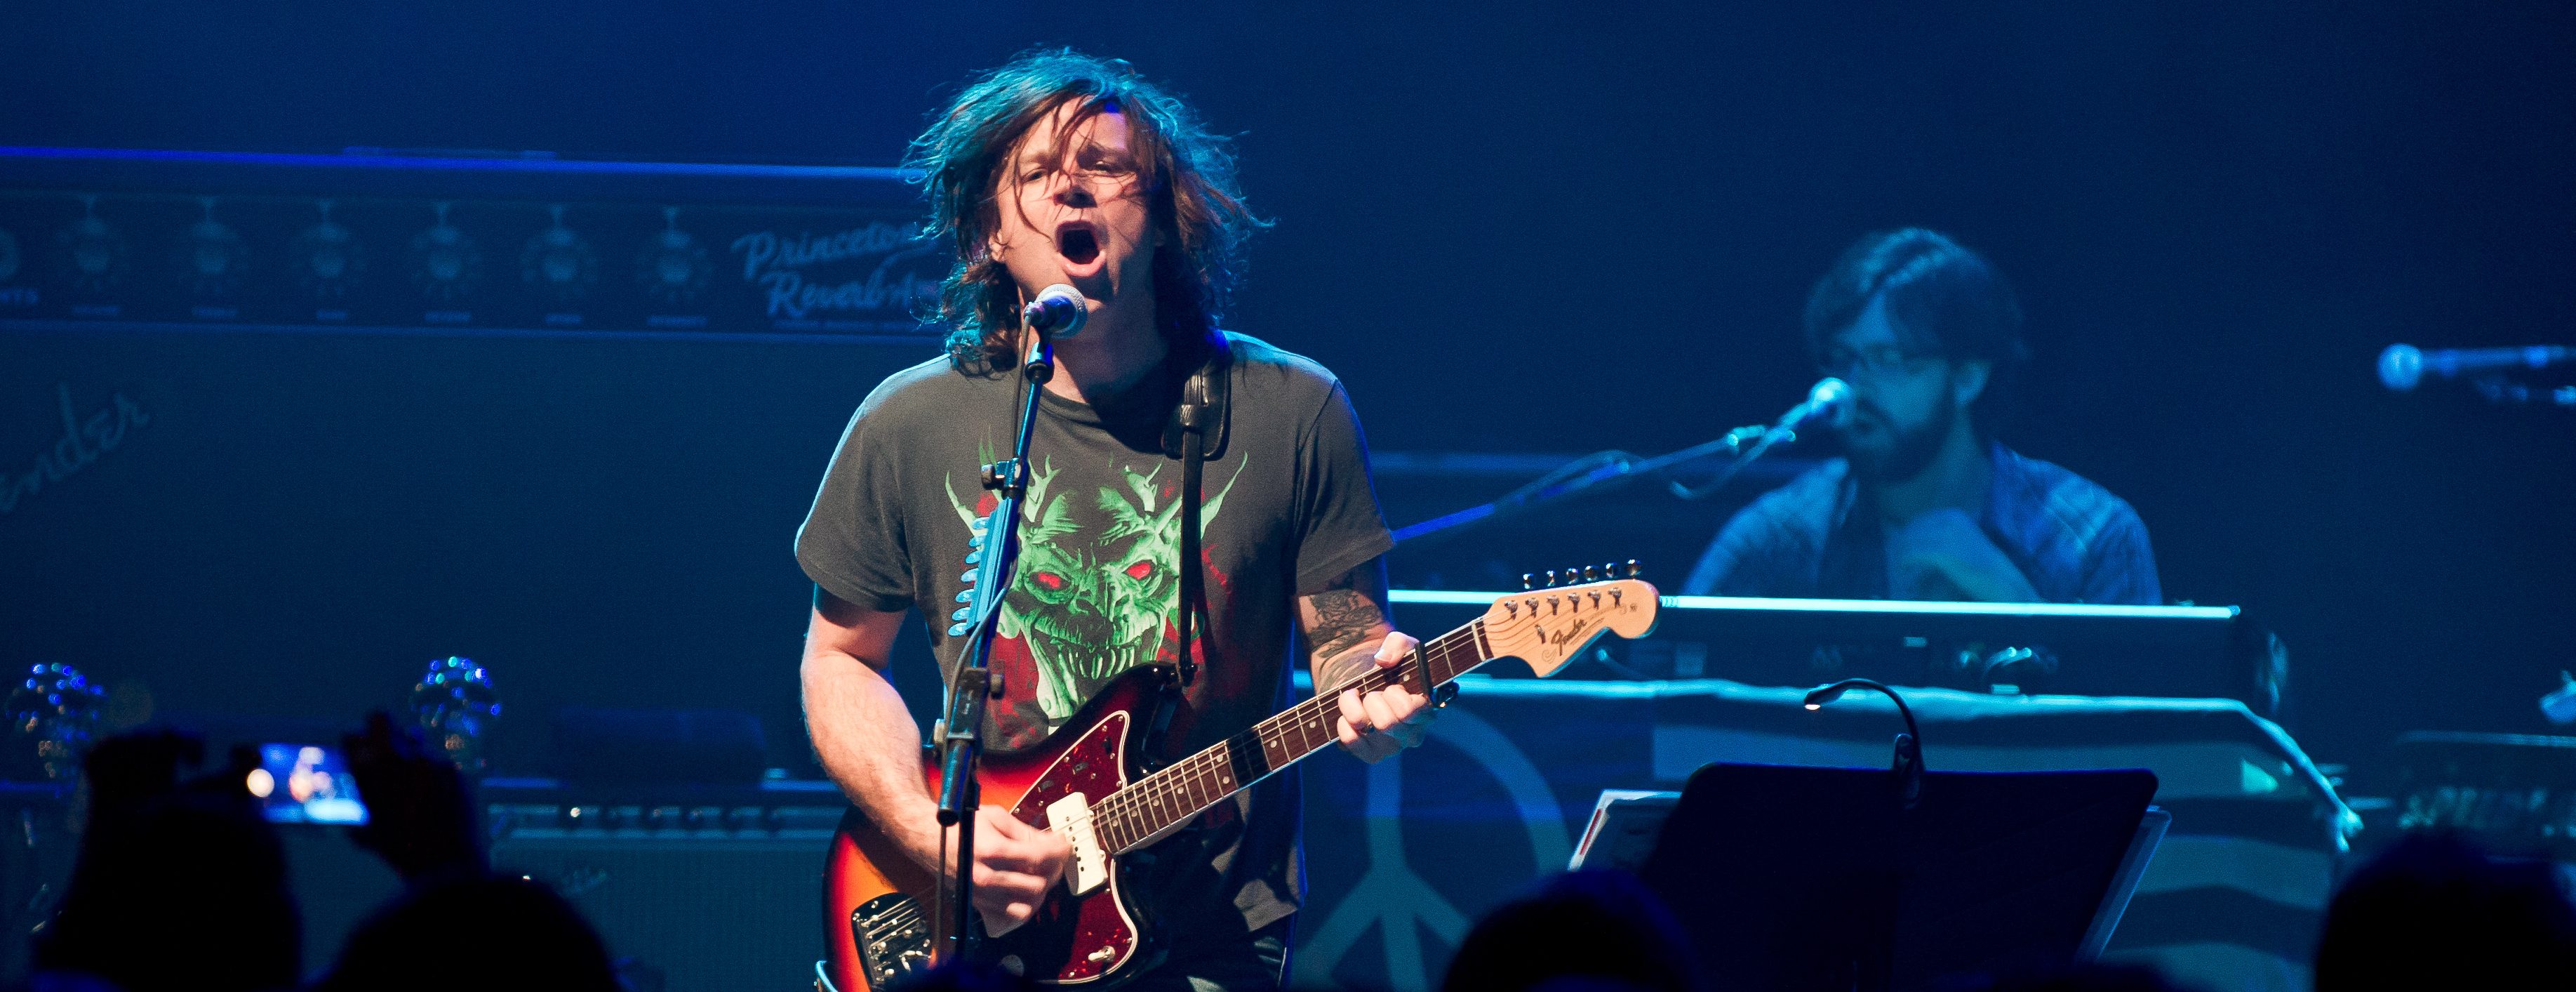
(1138, 814)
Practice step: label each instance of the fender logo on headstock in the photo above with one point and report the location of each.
(1559, 638)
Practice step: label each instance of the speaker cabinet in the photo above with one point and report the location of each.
(688, 899)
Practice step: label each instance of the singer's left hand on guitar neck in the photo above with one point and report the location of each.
(1346, 627)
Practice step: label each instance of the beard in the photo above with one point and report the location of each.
(1908, 452)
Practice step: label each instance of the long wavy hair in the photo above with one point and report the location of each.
(1185, 172)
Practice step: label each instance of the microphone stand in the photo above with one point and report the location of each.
(1742, 445)
(2501, 391)
(975, 684)
(1761, 437)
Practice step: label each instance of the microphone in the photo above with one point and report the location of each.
(2404, 365)
(1829, 401)
(1059, 311)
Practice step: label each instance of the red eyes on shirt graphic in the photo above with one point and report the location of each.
(1054, 582)
(1095, 589)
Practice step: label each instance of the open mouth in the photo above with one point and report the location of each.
(1078, 243)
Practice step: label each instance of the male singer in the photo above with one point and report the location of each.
(1060, 168)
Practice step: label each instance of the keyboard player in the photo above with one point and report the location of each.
(1925, 503)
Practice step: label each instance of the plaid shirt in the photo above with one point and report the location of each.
(1815, 536)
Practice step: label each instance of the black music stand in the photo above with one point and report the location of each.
(1797, 878)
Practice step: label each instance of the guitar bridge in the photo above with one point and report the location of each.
(893, 935)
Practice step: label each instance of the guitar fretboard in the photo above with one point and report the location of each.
(1128, 818)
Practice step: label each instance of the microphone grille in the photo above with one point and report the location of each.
(2401, 367)
(1059, 309)
(1830, 400)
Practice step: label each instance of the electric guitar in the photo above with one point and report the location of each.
(1087, 783)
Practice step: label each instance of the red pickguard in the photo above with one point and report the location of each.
(1090, 940)
(1080, 938)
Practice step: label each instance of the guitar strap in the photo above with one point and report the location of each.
(1198, 432)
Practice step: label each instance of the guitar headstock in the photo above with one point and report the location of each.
(1548, 627)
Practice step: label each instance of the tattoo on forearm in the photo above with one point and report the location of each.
(1343, 619)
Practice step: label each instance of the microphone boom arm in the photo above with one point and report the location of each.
(1599, 470)
(1826, 400)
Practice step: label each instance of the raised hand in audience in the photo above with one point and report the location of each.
(420, 813)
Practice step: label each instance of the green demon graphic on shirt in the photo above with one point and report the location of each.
(1095, 588)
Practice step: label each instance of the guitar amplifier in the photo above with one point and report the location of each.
(692, 889)
(455, 383)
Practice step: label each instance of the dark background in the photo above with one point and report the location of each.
(1517, 227)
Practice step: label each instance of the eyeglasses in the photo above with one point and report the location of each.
(1875, 362)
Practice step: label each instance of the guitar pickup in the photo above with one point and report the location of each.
(1088, 869)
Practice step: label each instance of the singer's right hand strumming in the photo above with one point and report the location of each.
(1015, 864)
(871, 747)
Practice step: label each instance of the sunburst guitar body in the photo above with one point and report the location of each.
(1087, 783)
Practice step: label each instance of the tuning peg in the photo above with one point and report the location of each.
(1591, 574)
(1550, 576)
(1573, 575)
(1528, 581)
(1635, 569)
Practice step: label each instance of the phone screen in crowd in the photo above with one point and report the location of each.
(306, 783)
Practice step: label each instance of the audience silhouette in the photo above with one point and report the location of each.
(457, 924)
(1579, 930)
(2435, 911)
(180, 883)
(497, 933)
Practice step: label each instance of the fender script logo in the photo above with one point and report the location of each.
(1563, 636)
(82, 443)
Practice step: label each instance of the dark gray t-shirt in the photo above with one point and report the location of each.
(1287, 507)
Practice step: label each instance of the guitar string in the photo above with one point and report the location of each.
(1163, 787)
(1161, 791)
(905, 916)
(1307, 718)
(1158, 789)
